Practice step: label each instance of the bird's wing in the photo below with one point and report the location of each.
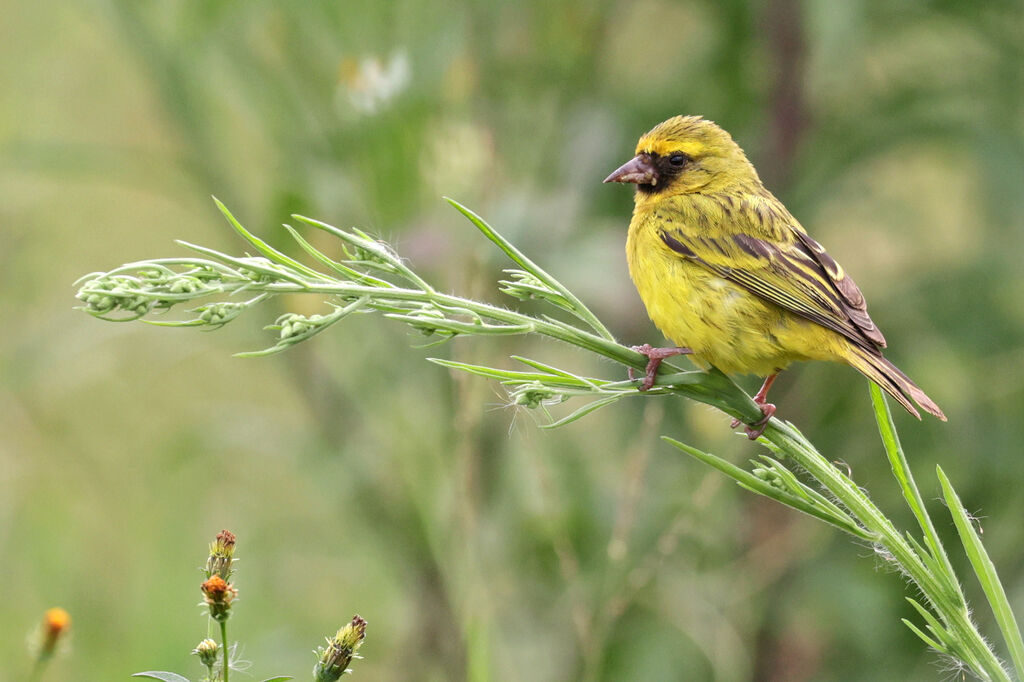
(794, 273)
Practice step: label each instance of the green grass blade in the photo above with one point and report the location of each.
(986, 572)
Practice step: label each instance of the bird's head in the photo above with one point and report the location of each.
(682, 155)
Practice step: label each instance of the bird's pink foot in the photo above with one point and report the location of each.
(654, 357)
(755, 430)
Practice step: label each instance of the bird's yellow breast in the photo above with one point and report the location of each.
(724, 324)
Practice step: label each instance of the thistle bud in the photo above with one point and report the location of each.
(218, 595)
(340, 650)
(222, 553)
(206, 650)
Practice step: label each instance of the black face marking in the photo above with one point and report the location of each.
(668, 166)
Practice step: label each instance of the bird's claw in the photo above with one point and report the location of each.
(755, 430)
(654, 357)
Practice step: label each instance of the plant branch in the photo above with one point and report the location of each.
(367, 276)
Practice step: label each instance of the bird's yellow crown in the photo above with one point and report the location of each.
(714, 162)
(692, 135)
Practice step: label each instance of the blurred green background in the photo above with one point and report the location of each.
(362, 479)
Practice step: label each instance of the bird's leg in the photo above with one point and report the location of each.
(755, 430)
(654, 357)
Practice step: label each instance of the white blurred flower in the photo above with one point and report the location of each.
(370, 84)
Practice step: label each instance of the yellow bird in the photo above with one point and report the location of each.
(728, 274)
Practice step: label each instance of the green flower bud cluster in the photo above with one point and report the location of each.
(363, 248)
(104, 295)
(220, 313)
(185, 285)
(771, 477)
(295, 327)
(534, 395)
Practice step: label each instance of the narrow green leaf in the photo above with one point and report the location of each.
(512, 377)
(281, 678)
(582, 412)
(490, 372)
(576, 305)
(755, 484)
(178, 323)
(162, 675)
(986, 572)
(937, 628)
(246, 264)
(469, 328)
(265, 248)
(901, 470)
(386, 259)
(927, 640)
(789, 479)
(554, 371)
(341, 268)
(938, 571)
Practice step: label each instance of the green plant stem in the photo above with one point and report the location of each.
(37, 670)
(225, 652)
(976, 652)
(901, 470)
(986, 572)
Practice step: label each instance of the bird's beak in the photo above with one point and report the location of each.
(638, 170)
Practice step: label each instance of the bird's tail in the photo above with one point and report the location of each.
(893, 381)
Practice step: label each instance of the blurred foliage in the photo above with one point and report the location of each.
(368, 480)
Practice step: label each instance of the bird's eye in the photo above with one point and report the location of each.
(677, 159)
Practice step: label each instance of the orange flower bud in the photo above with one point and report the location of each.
(56, 622)
(219, 594)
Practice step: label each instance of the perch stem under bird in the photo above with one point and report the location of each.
(730, 276)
